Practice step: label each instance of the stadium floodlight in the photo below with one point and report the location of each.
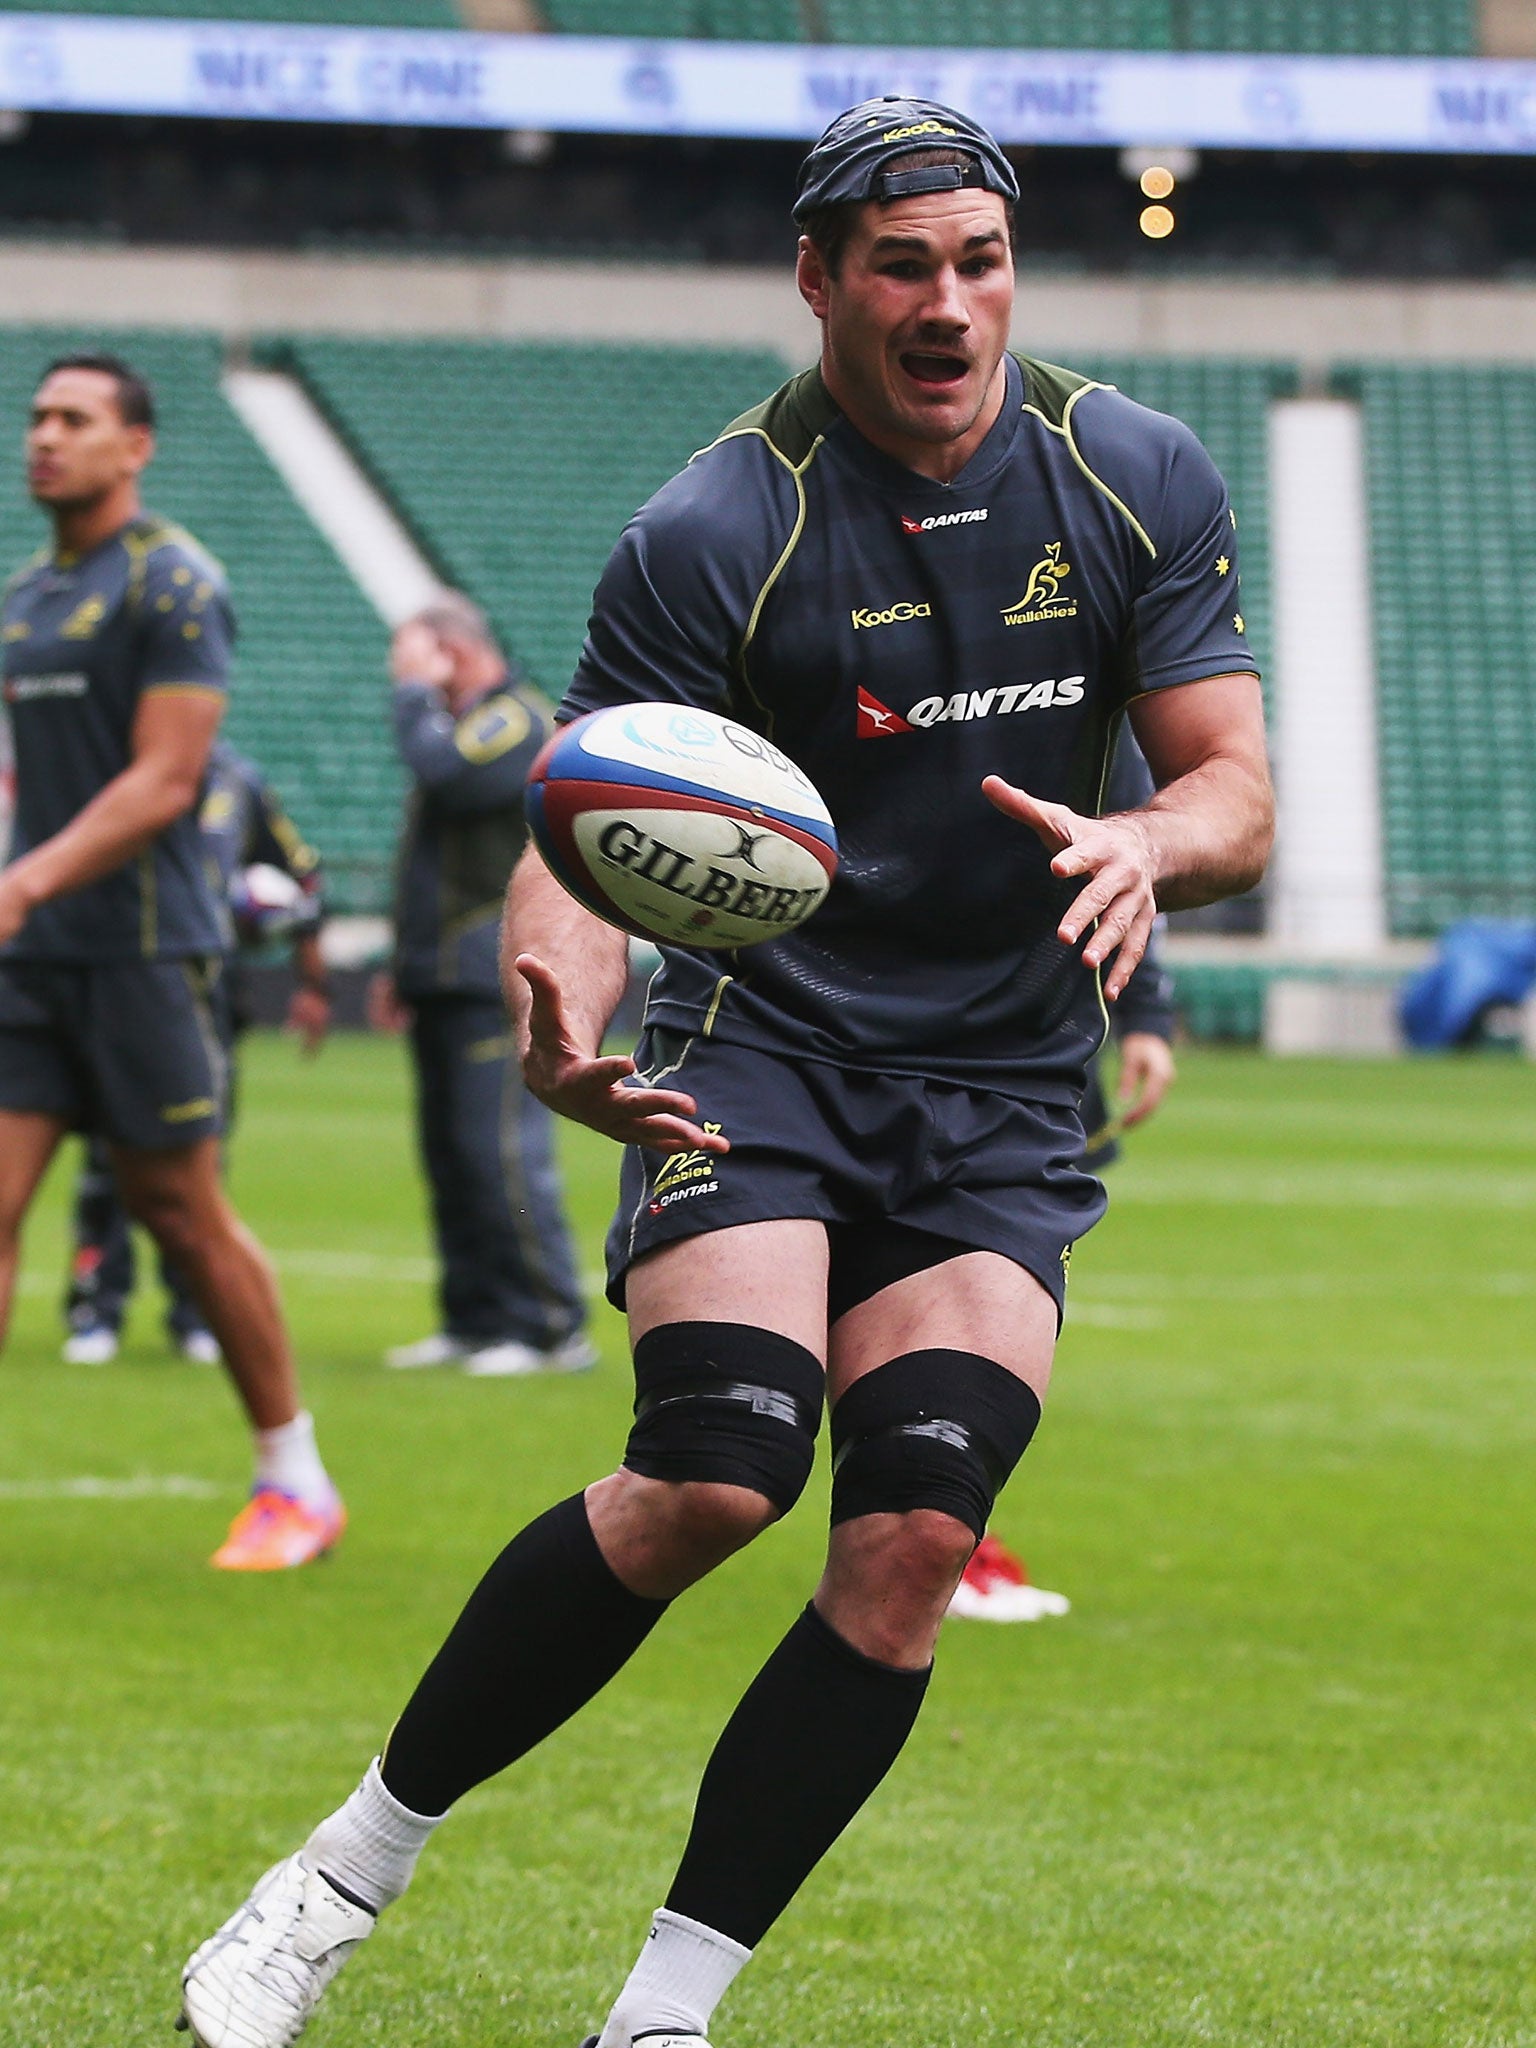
(1172, 159)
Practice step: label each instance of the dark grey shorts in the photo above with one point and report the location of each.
(130, 1048)
(983, 1172)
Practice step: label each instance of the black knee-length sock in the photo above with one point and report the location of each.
(544, 1630)
(816, 1731)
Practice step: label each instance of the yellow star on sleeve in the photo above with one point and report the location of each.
(1223, 564)
(1237, 620)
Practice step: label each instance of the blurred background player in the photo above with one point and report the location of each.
(468, 729)
(995, 1585)
(269, 877)
(116, 661)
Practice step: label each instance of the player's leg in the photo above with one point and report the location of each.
(430, 1041)
(101, 1268)
(508, 1241)
(936, 1380)
(27, 1143)
(722, 1444)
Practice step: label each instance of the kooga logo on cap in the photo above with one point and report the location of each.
(921, 128)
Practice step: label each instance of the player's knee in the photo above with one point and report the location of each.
(171, 1219)
(936, 1432)
(726, 1410)
(713, 1521)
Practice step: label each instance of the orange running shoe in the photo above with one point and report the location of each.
(995, 1587)
(273, 1532)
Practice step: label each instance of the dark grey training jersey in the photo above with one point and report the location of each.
(900, 639)
(85, 639)
(464, 830)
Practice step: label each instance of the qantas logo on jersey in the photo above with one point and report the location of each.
(965, 705)
(937, 519)
(878, 721)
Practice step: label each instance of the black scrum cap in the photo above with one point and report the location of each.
(849, 162)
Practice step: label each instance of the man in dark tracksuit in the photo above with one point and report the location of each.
(467, 730)
(243, 825)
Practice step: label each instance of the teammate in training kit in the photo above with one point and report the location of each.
(468, 730)
(243, 825)
(935, 575)
(116, 657)
(995, 1585)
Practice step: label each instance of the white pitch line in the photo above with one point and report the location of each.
(1443, 1190)
(145, 1486)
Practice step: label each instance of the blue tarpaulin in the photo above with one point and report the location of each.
(1480, 962)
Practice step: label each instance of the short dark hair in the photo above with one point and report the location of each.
(828, 228)
(135, 400)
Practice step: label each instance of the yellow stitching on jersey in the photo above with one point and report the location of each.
(714, 1003)
(797, 472)
(148, 904)
(1098, 482)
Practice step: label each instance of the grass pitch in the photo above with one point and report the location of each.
(1268, 1784)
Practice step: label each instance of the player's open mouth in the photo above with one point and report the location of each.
(936, 370)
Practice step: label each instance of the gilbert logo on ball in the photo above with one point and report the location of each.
(681, 826)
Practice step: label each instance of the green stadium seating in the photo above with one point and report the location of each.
(516, 465)
(1450, 457)
(1226, 401)
(338, 13)
(1405, 28)
(309, 700)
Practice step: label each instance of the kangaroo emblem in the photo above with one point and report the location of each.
(1045, 580)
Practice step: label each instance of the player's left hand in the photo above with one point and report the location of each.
(1147, 1072)
(309, 1019)
(16, 903)
(1117, 856)
(416, 655)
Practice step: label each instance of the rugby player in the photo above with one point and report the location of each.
(935, 574)
(468, 729)
(116, 657)
(243, 825)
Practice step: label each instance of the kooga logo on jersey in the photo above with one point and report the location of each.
(893, 615)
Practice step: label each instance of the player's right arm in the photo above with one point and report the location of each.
(563, 973)
(667, 623)
(172, 732)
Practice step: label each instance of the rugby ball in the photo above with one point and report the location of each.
(264, 902)
(681, 826)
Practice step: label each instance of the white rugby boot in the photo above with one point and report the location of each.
(255, 1983)
(438, 1349)
(667, 2038)
(514, 1360)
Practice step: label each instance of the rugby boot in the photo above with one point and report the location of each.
(438, 1349)
(514, 1360)
(995, 1587)
(255, 1983)
(666, 2038)
(274, 1532)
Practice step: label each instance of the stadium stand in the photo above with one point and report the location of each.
(309, 697)
(1363, 27)
(1450, 454)
(517, 464)
(342, 13)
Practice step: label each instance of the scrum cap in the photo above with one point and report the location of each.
(849, 162)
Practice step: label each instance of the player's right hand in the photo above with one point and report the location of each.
(599, 1090)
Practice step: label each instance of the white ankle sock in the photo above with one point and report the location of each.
(288, 1459)
(369, 1846)
(684, 1970)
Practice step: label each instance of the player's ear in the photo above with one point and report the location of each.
(812, 277)
(141, 448)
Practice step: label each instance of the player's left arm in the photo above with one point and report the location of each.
(172, 732)
(1205, 834)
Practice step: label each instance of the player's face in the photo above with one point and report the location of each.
(916, 320)
(79, 448)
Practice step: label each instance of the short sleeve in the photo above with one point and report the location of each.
(672, 608)
(187, 626)
(1188, 620)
